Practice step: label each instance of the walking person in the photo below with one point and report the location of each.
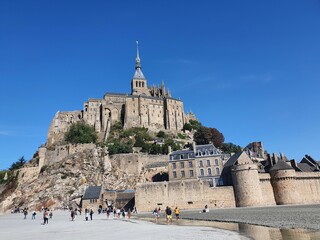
(45, 217)
(91, 213)
(72, 215)
(169, 215)
(25, 213)
(177, 213)
(156, 215)
(51, 214)
(34, 215)
(86, 214)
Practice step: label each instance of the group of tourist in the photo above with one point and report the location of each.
(168, 212)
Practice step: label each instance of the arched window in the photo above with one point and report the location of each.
(136, 84)
(217, 171)
(201, 163)
(216, 162)
(209, 172)
(139, 84)
(201, 172)
(142, 84)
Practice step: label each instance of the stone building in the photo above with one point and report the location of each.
(152, 107)
(199, 162)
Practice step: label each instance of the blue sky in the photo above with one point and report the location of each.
(249, 68)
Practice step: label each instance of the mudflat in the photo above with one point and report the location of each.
(285, 217)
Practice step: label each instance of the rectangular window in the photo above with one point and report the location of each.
(183, 174)
(174, 173)
(190, 164)
(174, 166)
(191, 173)
(201, 172)
(208, 163)
(182, 164)
(201, 163)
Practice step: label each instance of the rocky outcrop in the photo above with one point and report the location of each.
(62, 183)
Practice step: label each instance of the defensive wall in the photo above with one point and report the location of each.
(186, 194)
(250, 188)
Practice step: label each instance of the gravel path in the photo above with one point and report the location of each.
(285, 217)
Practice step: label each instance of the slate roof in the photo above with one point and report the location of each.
(138, 74)
(92, 192)
(304, 167)
(239, 156)
(281, 165)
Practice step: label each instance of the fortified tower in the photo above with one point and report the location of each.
(245, 178)
(283, 179)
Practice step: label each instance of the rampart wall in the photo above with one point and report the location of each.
(186, 194)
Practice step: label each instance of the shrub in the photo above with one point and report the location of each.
(80, 132)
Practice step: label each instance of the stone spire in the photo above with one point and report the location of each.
(138, 73)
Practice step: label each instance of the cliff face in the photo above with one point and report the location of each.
(63, 183)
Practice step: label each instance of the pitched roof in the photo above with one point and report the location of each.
(304, 167)
(238, 159)
(92, 192)
(281, 165)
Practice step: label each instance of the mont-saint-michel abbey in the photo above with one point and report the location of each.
(146, 106)
(87, 175)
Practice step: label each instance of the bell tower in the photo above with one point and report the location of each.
(139, 82)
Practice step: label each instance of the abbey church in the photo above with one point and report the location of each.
(150, 107)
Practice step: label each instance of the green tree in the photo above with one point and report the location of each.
(195, 124)
(18, 164)
(202, 136)
(187, 126)
(217, 137)
(80, 132)
(230, 148)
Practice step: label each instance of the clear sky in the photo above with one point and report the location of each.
(249, 68)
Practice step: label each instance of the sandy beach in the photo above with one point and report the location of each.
(13, 226)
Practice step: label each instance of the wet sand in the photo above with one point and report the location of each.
(284, 217)
(13, 226)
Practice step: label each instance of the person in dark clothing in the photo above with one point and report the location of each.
(91, 213)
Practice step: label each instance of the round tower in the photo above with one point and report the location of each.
(283, 179)
(246, 185)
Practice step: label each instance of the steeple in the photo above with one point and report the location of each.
(138, 65)
(139, 82)
(138, 73)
